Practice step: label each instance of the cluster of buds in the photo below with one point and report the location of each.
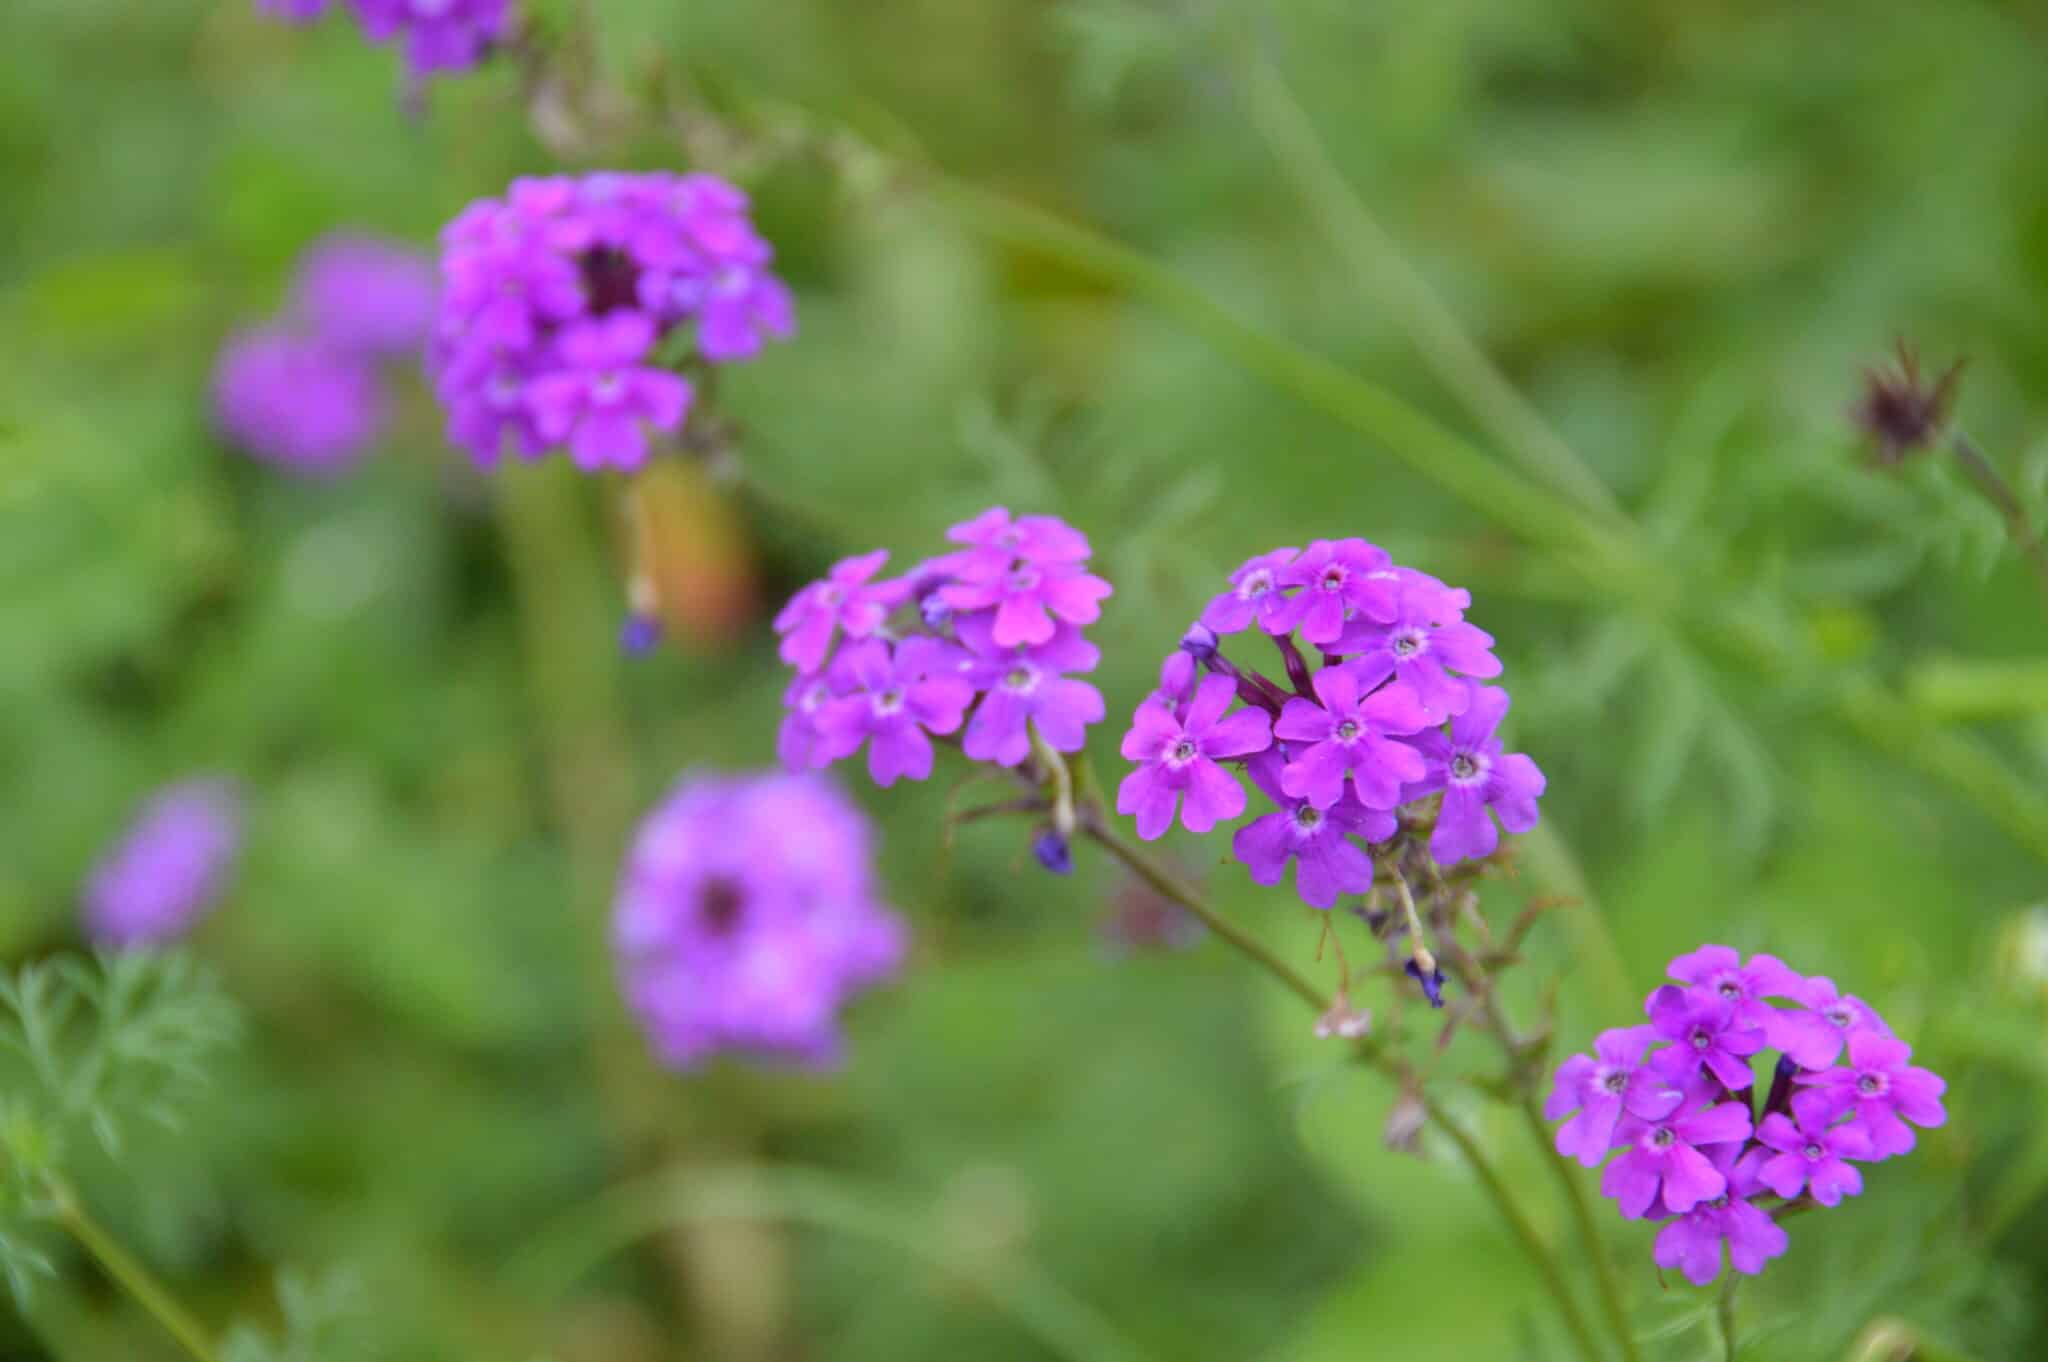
(1675, 1100)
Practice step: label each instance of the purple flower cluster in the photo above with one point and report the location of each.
(169, 867)
(747, 916)
(439, 35)
(1392, 713)
(562, 303)
(994, 626)
(304, 391)
(1674, 1100)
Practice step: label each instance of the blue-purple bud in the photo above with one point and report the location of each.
(1432, 982)
(1199, 642)
(1053, 853)
(934, 611)
(640, 634)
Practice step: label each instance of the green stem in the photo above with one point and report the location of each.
(132, 1276)
(1724, 1311)
(1097, 829)
(1984, 475)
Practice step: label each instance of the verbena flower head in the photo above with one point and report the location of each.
(1357, 738)
(437, 36)
(168, 869)
(1700, 1163)
(747, 917)
(365, 295)
(893, 663)
(297, 401)
(567, 303)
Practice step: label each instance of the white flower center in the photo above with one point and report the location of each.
(888, 701)
(1469, 768)
(1813, 1152)
(1872, 1084)
(1611, 1081)
(1256, 584)
(1182, 752)
(1662, 1138)
(1347, 730)
(1408, 643)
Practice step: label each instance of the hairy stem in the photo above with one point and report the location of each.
(1984, 475)
(131, 1275)
(1098, 830)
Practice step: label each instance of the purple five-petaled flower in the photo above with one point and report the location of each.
(1340, 580)
(1812, 1152)
(1815, 1033)
(1027, 688)
(1475, 775)
(1423, 643)
(1320, 842)
(1881, 1087)
(846, 599)
(1177, 756)
(1705, 1033)
(995, 538)
(890, 699)
(1348, 735)
(1601, 1086)
(1028, 598)
(1662, 1158)
(1719, 972)
(1692, 1242)
(603, 393)
(1255, 594)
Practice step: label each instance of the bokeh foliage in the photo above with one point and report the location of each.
(1679, 229)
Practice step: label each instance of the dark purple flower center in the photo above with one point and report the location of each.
(889, 701)
(611, 280)
(1611, 1081)
(1347, 730)
(1814, 1153)
(1256, 584)
(1024, 579)
(1333, 579)
(1464, 766)
(1182, 752)
(1308, 818)
(831, 595)
(1702, 1039)
(1407, 644)
(719, 904)
(1730, 990)
(1840, 1016)
(1662, 1138)
(607, 386)
(1873, 1084)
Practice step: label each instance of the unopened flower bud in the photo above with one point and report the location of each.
(1053, 852)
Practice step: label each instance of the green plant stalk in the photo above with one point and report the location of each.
(1724, 1312)
(129, 1273)
(1991, 484)
(1097, 828)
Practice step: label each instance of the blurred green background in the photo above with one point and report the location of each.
(1680, 229)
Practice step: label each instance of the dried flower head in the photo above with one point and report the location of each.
(1900, 412)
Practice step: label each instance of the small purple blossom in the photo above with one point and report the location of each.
(1881, 1088)
(1255, 595)
(846, 600)
(1475, 775)
(747, 918)
(1816, 1032)
(1719, 972)
(1662, 1160)
(296, 401)
(1812, 1152)
(639, 634)
(997, 539)
(1692, 1242)
(1028, 598)
(168, 869)
(1594, 1090)
(891, 699)
(1423, 643)
(365, 295)
(1322, 843)
(559, 298)
(1029, 686)
(1346, 735)
(1705, 1033)
(1177, 756)
(1431, 980)
(1338, 580)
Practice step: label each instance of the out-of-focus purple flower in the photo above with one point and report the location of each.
(1348, 735)
(168, 869)
(293, 11)
(890, 699)
(296, 401)
(439, 35)
(1422, 643)
(639, 634)
(1028, 597)
(747, 917)
(1339, 580)
(1320, 842)
(1431, 980)
(1880, 1087)
(1692, 1242)
(1815, 1034)
(1812, 1151)
(1663, 1161)
(847, 599)
(601, 394)
(1255, 595)
(557, 296)
(1705, 1033)
(1599, 1087)
(798, 744)
(1177, 676)
(1475, 775)
(1177, 756)
(1028, 686)
(365, 294)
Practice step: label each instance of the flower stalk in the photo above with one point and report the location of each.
(128, 1272)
